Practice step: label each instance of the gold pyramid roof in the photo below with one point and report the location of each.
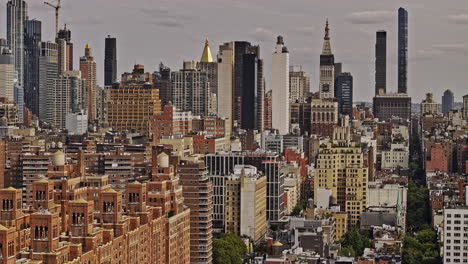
(206, 56)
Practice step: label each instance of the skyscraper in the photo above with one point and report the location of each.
(48, 72)
(7, 74)
(280, 87)
(208, 65)
(402, 50)
(69, 97)
(197, 191)
(65, 50)
(447, 101)
(327, 68)
(132, 104)
(32, 44)
(110, 61)
(344, 93)
(190, 90)
(17, 13)
(226, 81)
(162, 81)
(381, 62)
(253, 92)
(88, 72)
(299, 84)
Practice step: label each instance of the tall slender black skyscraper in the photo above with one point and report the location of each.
(381, 62)
(344, 93)
(32, 40)
(402, 50)
(110, 61)
(252, 90)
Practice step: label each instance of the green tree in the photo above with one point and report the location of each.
(357, 241)
(229, 249)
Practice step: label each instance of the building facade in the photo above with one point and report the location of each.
(327, 68)
(299, 84)
(381, 62)
(447, 101)
(280, 88)
(88, 73)
(48, 72)
(32, 44)
(110, 61)
(402, 50)
(132, 104)
(344, 93)
(392, 105)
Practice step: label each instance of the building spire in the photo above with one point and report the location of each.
(206, 56)
(326, 43)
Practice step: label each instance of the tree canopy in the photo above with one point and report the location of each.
(354, 242)
(229, 249)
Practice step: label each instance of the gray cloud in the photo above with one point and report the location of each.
(458, 47)
(458, 19)
(263, 34)
(371, 17)
(170, 23)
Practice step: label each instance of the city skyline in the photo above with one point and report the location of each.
(435, 43)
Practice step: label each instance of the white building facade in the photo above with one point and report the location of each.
(280, 88)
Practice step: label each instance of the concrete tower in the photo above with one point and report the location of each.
(327, 68)
(280, 87)
(88, 72)
(226, 81)
(17, 12)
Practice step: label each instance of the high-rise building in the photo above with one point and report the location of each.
(246, 203)
(344, 93)
(387, 106)
(226, 81)
(327, 67)
(110, 61)
(132, 103)
(88, 73)
(301, 116)
(280, 87)
(447, 101)
(465, 107)
(429, 106)
(381, 62)
(346, 177)
(267, 111)
(402, 50)
(69, 97)
(221, 165)
(48, 72)
(197, 191)
(191, 90)
(19, 101)
(162, 81)
(32, 44)
(299, 84)
(253, 90)
(210, 66)
(325, 116)
(17, 13)
(455, 229)
(7, 74)
(65, 50)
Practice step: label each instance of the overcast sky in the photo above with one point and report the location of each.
(171, 31)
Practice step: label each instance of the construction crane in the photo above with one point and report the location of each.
(57, 8)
